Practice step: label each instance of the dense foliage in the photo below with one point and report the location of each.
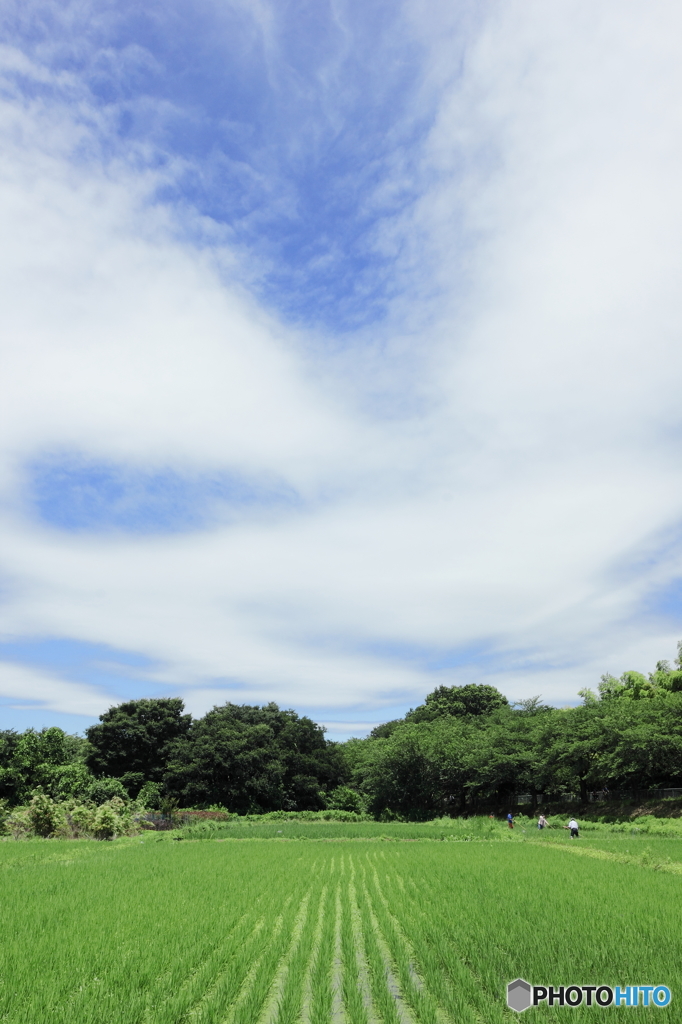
(134, 740)
(452, 763)
(462, 748)
(255, 759)
(50, 759)
(249, 759)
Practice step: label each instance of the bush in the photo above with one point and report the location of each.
(202, 830)
(102, 790)
(133, 782)
(4, 815)
(343, 798)
(330, 814)
(106, 823)
(69, 780)
(44, 814)
(389, 815)
(150, 796)
(18, 824)
(46, 818)
(80, 819)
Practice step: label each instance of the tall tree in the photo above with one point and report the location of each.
(252, 759)
(134, 740)
(473, 699)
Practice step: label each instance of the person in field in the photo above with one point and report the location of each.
(573, 828)
(510, 820)
(542, 822)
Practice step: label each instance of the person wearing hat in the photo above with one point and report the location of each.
(573, 828)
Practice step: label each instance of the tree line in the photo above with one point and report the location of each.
(465, 747)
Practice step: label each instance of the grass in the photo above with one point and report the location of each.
(269, 932)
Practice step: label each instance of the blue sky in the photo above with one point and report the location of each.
(75, 494)
(281, 124)
(340, 349)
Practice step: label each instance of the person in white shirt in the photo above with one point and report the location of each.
(573, 828)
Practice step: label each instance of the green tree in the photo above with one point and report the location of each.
(70, 780)
(150, 795)
(636, 686)
(39, 759)
(573, 757)
(135, 739)
(101, 791)
(643, 743)
(253, 759)
(401, 774)
(473, 699)
(386, 729)
(107, 822)
(9, 740)
(508, 756)
(419, 771)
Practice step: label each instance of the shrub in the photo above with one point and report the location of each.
(4, 815)
(202, 830)
(44, 814)
(69, 780)
(107, 823)
(389, 815)
(168, 807)
(133, 783)
(80, 819)
(18, 824)
(102, 790)
(150, 795)
(343, 798)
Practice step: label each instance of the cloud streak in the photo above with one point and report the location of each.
(26, 688)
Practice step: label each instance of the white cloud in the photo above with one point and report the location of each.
(24, 687)
(543, 457)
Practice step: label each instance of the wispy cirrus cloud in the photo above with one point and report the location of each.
(290, 135)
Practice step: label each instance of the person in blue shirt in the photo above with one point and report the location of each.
(510, 820)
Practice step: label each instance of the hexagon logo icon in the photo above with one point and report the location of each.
(518, 995)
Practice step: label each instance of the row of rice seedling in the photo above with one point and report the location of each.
(476, 920)
(140, 934)
(430, 1000)
(263, 933)
(290, 986)
(318, 997)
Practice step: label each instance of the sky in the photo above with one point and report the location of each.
(341, 352)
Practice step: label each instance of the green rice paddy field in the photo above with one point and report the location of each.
(334, 923)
